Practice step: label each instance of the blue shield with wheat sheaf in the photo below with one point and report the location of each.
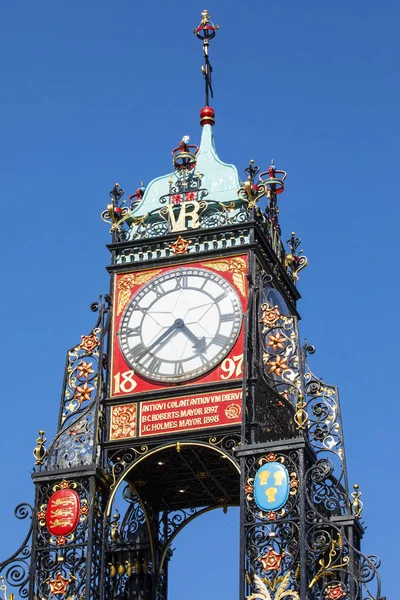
(271, 486)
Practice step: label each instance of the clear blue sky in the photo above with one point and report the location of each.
(99, 92)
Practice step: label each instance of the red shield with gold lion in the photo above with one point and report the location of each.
(62, 515)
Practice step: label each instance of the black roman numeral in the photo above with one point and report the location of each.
(178, 370)
(137, 351)
(203, 358)
(154, 364)
(220, 340)
(221, 297)
(227, 317)
(132, 330)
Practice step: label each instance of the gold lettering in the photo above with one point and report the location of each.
(263, 477)
(187, 211)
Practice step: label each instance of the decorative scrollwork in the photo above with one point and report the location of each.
(74, 445)
(331, 557)
(281, 355)
(324, 422)
(14, 571)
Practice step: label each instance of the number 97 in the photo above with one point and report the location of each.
(232, 367)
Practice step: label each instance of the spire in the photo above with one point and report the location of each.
(206, 31)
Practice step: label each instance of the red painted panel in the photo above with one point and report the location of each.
(188, 413)
(124, 381)
(62, 514)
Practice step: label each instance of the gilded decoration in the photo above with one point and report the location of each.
(236, 266)
(89, 342)
(335, 561)
(281, 352)
(81, 377)
(84, 370)
(180, 246)
(357, 504)
(282, 591)
(233, 411)
(335, 592)
(59, 585)
(271, 488)
(40, 452)
(127, 282)
(3, 589)
(83, 393)
(271, 561)
(123, 421)
(270, 314)
(63, 512)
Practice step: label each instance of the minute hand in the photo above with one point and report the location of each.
(163, 337)
(198, 343)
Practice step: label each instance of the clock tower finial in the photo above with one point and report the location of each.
(206, 31)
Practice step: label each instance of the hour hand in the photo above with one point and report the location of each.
(199, 344)
(164, 337)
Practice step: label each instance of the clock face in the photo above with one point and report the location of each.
(180, 325)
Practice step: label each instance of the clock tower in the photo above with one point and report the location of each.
(193, 393)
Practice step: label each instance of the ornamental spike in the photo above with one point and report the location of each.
(206, 31)
(40, 451)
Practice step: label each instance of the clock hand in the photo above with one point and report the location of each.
(198, 343)
(163, 338)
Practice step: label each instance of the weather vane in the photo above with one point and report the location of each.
(205, 32)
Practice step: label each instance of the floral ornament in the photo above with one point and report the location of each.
(249, 489)
(270, 315)
(276, 341)
(335, 592)
(123, 421)
(41, 514)
(84, 509)
(59, 584)
(233, 411)
(127, 282)
(190, 197)
(176, 199)
(272, 515)
(278, 365)
(89, 342)
(271, 561)
(237, 266)
(61, 540)
(84, 370)
(262, 592)
(294, 484)
(83, 393)
(271, 457)
(180, 246)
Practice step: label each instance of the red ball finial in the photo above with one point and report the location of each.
(207, 116)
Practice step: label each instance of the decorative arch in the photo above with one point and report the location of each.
(145, 453)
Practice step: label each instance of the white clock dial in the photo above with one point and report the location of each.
(180, 325)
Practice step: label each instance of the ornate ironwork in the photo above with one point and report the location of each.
(40, 451)
(80, 417)
(324, 424)
(295, 262)
(332, 545)
(206, 31)
(272, 539)
(70, 564)
(281, 354)
(14, 572)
